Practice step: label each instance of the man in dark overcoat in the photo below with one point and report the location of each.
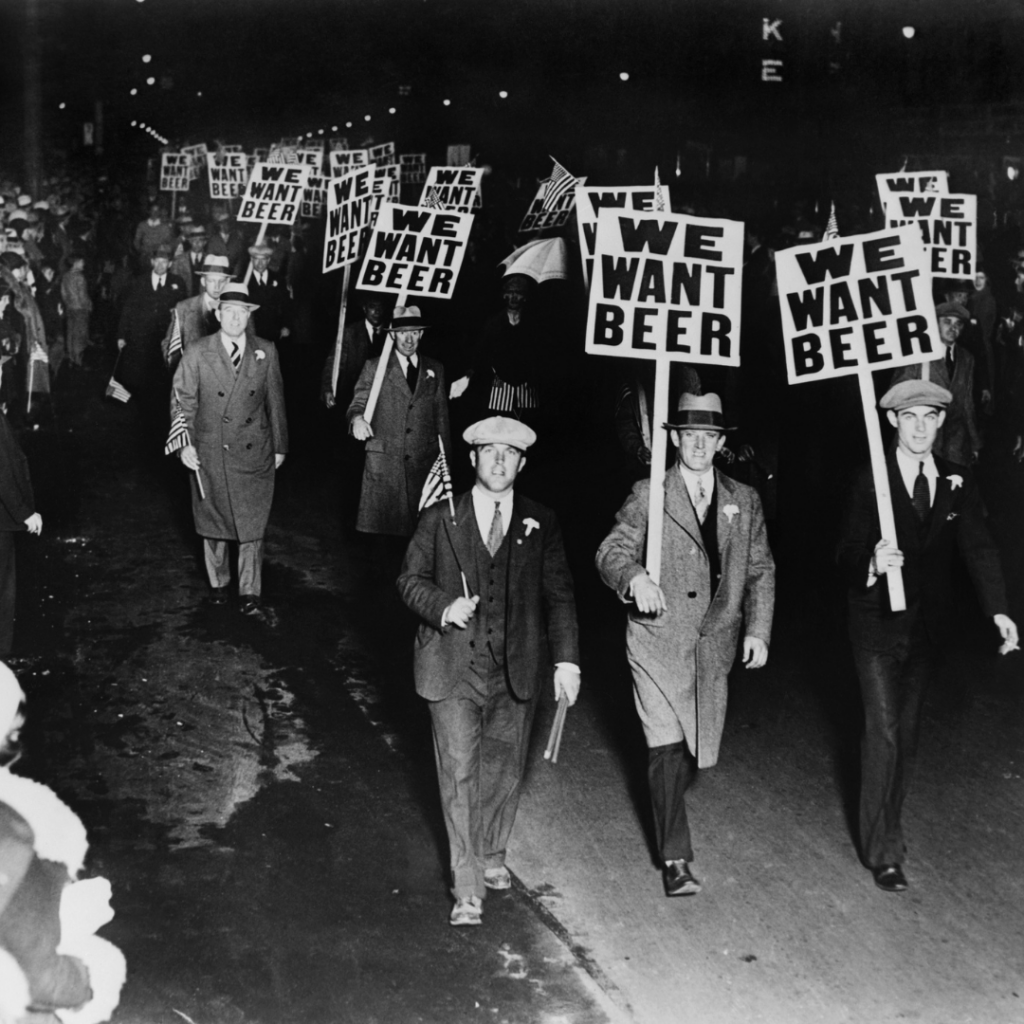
(195, 318)
(269, 289)
(402, 440)
(717, 584)
(360, 341)
(493, 590)
(937, 509)
(229, 392)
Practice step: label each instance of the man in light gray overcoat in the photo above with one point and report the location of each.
(228, 389)
(717, 579)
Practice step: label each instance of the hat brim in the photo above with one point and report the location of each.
(214, 273)
(251, 306)
(721, 428)
(407, 325)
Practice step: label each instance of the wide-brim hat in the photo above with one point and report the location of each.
(407, 318)
(704, 411)
(238, 295)
(163, 250)
(261, 249)
(500, 430)
(952, 309)
(910, 393)
(215, 266)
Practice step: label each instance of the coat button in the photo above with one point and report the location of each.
(249, 445)
(408, 457)
(249, 420)
(227, 419)
(408, 430)
(410, 405)
(692, 593)
(220, 394)
(472, 643)
(226, 447)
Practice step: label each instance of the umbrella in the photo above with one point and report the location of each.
(543, 259)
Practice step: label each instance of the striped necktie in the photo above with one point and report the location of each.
(496, 534)
(236, 355)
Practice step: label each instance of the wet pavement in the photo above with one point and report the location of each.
(263, 797)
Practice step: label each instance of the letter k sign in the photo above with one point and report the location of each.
(770, 28)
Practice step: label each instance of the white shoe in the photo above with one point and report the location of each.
(497, 878)
(467, 910)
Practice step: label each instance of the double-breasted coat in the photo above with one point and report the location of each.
(681, 659)
(237, 423)
(404, 445)
(540, 609)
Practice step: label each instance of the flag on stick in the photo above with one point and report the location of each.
(175, 343)
(560, 182)
(118, 391)
(832, 228)
(178, 438)
(432, 200)
(438, 485)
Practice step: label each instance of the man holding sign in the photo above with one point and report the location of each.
(717, 577)
(937, 508)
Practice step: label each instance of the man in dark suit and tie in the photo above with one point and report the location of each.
(360, 341)
(495, 596)
(937, 509)
(268, 288)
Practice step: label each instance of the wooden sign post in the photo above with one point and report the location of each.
(851, 306)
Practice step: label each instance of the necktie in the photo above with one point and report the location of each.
(378, 340)
(922, 499)
(236, 355)
(495, 535)
(412, 375)
(701, 504)
(949, 361)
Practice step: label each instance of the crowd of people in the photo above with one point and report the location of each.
(221, 345)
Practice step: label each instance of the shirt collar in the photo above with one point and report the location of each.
(691, 479)
(404, 360)
(909, 469)
(227, 342)
(483, 508)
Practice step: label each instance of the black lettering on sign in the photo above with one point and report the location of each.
(816, 266)
(697, 244)
(807, 357)
(386, 243)
(903, 279)
(840, 347)
(410, 220)
(807, 306)
(911, 329)
(610, 199)
(646, 233)
(873, 343)
(618, 275)
(719, 274)
(917, 206)
(714, 331)
(676, 329)
(641, 328)
(686, 277)
(840, 303)
(874, 292)
(879, 257)
(608, 322)
(652, 283)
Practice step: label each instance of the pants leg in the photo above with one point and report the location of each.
(250, 568)
(457, 727)
(218, 568)
(7, 590)
(670, 771)
(892, 687)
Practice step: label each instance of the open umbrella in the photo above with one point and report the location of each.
(542, 259)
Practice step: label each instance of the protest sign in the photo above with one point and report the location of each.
(949, 229)
(314, 198)
(665, 287)
(458, 155)
(458, 188)
(312, 156)
(337, 142)
(228, 173)
(539, 218)
(283, 155)
(910, 182)
(414, 167)
(273, 194)
(261, 154)
(352, 206)
(342, 161)
(384, 154)
(197, 158)
(392, 174)
(174, 172)
(855, 305)
(232, 149)
(589, 201)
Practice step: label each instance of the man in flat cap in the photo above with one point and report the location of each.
(937, 509)
(228, 388)
(960, 439)
(717, 584)
(495, 596)
(195, 318)
(402, 440)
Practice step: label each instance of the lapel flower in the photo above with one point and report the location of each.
(430, 373)
(530, 524)
(951, 516)
(260, 354)
(730, 511)
(955, 481)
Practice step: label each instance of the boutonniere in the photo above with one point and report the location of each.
(955, 481)
(174, 286)
(952, 516)
(430, 373)
(730, 511)
(260, 354)
(530, 524)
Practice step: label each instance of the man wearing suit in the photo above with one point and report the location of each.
(17, 513)
(195, 318)
(229, 391)
(402, 442)
(494, 593)
(144, 317)
(959, 440)
(937, 508)
(267, 287)
(717, 578)
(359, 342)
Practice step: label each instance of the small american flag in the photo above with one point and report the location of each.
(115, 390)
(175, 343)
(438, 485)
(178, 437)
(560, 182)
(832, 228)
(432, 200)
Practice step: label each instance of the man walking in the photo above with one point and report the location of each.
(937, 508)
(494, 592)
(717, 578)
(229, 393)
(192, 319)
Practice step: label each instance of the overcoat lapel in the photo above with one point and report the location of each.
(680, 508)
(726, 496)
(395, 373)
(943, 503)
(515, 538)
(461, 537)
(217, 359)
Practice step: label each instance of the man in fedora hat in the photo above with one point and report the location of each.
(937, 509)
(228, 388)
(402, 440)
(269, 289)
(361, 341)
(717, 584)
(194, 318)
(492, 587)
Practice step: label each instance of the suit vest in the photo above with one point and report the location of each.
(492, 579)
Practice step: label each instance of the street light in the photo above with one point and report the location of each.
(447, 103)
(392, 110)
(909, 31)
(367, 117)
(503, 94)
(61, 106)
(624, 76)
(146, 58)
(151, 80)
(135, 92)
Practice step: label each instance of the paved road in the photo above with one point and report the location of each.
(264, 800)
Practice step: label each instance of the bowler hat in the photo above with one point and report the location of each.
(407, 318)
(237, 295)
(704, 411)
(909, 393)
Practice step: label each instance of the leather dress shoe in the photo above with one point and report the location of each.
(679, 880)
(497, 878)
(890, 878)
(468, 910)
(218, 595)
(249, 604)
